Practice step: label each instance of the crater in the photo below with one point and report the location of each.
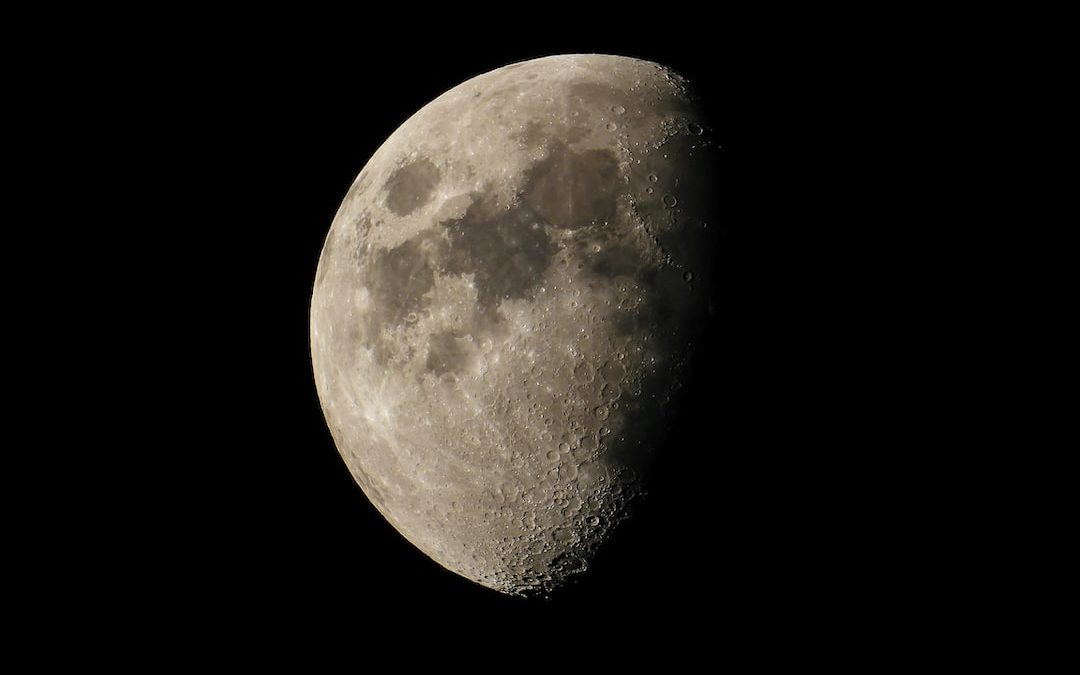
(446, 353)
(363, 479)
(362, 226)
(411, 186)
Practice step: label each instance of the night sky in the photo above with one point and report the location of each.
(757, 520)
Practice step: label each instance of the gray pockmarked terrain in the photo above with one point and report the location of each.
(505, 306)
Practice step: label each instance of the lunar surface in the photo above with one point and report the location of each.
(506, 306)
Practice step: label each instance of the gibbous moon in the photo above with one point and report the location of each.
(506, 306)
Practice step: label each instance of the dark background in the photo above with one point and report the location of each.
(773, 513)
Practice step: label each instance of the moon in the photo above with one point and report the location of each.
(507, 305)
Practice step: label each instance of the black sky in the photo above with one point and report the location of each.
(239, 143)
